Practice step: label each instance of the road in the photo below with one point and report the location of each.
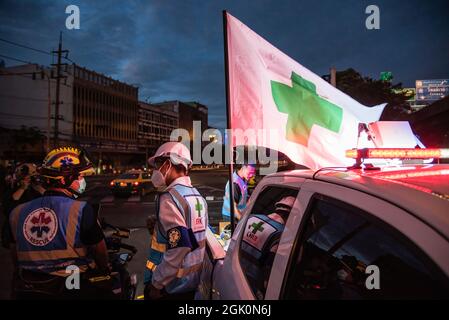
(132, 212)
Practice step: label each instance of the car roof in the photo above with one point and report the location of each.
(415, 188)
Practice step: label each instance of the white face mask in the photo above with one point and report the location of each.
(158, 179)
(79, 186)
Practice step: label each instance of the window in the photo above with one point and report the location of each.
(339, 242)
(261, 238)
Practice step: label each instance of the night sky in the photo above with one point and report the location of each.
(173, 50)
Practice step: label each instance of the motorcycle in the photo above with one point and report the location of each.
(125, 285)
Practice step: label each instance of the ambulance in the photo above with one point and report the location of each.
(361, 232)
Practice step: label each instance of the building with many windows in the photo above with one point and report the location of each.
(155, 125)
(105, 113)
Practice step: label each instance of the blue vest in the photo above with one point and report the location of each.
(193, 208)
(226, 211)
(260, 234)
(47, 234)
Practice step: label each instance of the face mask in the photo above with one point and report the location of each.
(158, 179)
(79, 186)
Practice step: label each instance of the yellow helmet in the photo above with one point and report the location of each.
(66, 162)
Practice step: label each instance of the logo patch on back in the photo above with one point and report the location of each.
(198, 209)
(257, 232)
(40, 227)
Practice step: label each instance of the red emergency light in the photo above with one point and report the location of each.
(397, 153)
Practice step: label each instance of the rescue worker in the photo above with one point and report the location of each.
(55, 231)
(178, 239)
(260, 243)
(240, 179)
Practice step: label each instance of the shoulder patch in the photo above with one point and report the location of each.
(174, 235)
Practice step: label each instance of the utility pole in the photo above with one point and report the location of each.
(58, 65)
(333, 76)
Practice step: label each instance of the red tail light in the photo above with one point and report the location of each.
(136, 183)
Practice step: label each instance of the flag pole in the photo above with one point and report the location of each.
(229, 122)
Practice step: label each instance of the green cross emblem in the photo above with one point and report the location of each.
(198, 207)
(304, 108)
(256, 227)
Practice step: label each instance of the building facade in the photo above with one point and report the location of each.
(96, 112)
(188, 113)
(105, 113)
(155, 125)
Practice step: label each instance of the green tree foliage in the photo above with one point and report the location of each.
(373, 92)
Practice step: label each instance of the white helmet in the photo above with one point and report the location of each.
(285, 203)
(176, 151)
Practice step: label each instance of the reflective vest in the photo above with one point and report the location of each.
(225, 211)
(193, 208)
(260, 234)
(47, 234)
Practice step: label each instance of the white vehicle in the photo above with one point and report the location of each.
(345, 226)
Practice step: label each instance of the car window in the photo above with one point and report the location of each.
(339, 243)
(261, 237)
(129, 176)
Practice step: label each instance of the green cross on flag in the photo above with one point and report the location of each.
(304, 108)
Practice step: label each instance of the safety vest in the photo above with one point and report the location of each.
(47, 234)
(193, 208)
(260, 234)
(225, 211)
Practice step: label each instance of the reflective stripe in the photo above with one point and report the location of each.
(183, 203)
(51, 255)
(161, 247)
(181, 272)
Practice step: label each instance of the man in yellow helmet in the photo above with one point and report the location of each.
(57, 231)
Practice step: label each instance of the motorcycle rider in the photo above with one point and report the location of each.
(178, 239)
(55, 231)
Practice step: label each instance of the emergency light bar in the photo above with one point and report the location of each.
(397, 153)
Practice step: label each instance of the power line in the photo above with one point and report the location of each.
(26, 47)
(15, 59)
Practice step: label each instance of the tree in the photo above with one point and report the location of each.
(25, 143)
(373, 92)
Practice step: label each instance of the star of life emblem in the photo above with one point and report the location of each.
(40, 227)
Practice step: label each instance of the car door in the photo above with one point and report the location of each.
(343, 236)
(230, 275)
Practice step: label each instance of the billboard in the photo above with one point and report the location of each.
(432, 90)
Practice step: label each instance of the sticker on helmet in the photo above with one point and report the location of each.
(40, 227)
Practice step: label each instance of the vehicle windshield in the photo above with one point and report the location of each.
(129, 176)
